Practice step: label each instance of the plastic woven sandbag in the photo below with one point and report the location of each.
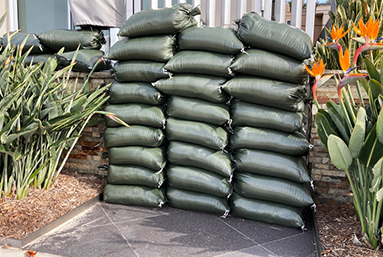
(134, 175)
(184, 154)
(85, 60)
(271, 164)
(139, 71)
(196, 133)
(256, 62)
(197, 110)
(282, 95)
(248, 114)
(36, 58)
(200, 62)
(19, 37)
(163, 21)
(150, 157)
(71, 39)
(195, 201)
(135, 135)
(202, 87)
(198, 180)
(154, 48)
(134, 195)
(294, 143)
(272, 189)
(134, 92)
(214, 39)
(136, 114)
(277, 37)
(274, 213)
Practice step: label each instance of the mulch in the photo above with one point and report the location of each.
(20, 218)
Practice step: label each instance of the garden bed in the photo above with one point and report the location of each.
(21, 218)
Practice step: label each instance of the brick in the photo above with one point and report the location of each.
(337, 191)
(321, 166)
(325, 160)
(88, 129)
(315, 159)
(316, 172)
(316, 177)
(331, 180)
(334, 173)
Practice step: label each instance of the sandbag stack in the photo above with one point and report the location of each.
(271, 180)
(137, 155)
(200, 171)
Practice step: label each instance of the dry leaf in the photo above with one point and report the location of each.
(356, 241)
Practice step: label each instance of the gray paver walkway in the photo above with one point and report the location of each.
(118, 230)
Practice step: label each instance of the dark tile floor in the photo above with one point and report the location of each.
(117, 230)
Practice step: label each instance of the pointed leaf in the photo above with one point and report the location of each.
(372, 149)
(377, 170)
(379, 127)
(339, 153)
(26, 132)
(358, 133)
(376, 89)
(324, 128)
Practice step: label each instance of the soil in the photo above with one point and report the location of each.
(337, 225)
(19, 218)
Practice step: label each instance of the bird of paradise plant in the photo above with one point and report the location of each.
(353, 133)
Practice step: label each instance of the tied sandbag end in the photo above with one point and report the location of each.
(225, 214)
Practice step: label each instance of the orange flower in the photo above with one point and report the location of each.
(318, 69)
(344, 60)
(336, 33)
(369, 30)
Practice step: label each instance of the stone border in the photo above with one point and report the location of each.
(19, 243)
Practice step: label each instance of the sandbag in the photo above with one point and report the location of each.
(202, 87)
(271, 164)
(272, 189)
(85, 60)
(136, 114)
(135, 135)
(134, 92)
(139, 71)
(276, 37)
(37, 58)
(294, 143)
(196, 133)
(214, 39)
(197, 110)
(282, 95)
(194, 201)
(19, 37)
(200, 62)
(198, 180)
(257, 62)
(150, 157)
(154, 48)
(274, 213)
(162, 21)
(134, 195)
(71, 39)
(184, 154)
(134, 175)
(254, 115)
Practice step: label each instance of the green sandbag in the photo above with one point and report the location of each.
(271, 164)
(134, 195)
(154, 48)
(256, 62)
(196, 133)
(194, 201)
(71, 39)
(85, 60)
(164, 21)
(254, 115)
(277, 37)
(197, 110)
(139, 71)
(184, 154)
(135, 135)
(198, 180)
(272, 189)
(19, 37)
(150, 157)
(268, 139)
(134, 92)
(134, 175)
(200, 62)
(214, 39)
(282, 95)
(274, 213)
(202, 87)
(37, 58)
(136, 114)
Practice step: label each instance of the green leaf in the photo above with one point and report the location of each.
(379, 195)
(3, 18)
(379, 127)
(358, 133)
(376, 90)
(63, 141)
(339, 153)
(372, 149)
(324, 128)
(6, 151)
(335, 113)
(377, 170)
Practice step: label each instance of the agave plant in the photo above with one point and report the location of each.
(41, 115)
